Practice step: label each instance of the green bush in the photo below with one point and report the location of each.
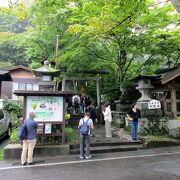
(71, 136)
(15, 107)
(15, 110)
(1, 154)
(178, 117)
(14, 136)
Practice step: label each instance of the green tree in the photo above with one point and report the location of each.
(120, 36)
(127, 34)
(10, 49)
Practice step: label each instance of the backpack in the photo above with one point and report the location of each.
(22, 133)
(76, 100)
(84, 129)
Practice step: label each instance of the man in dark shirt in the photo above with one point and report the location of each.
(30, 142)
(134, 115)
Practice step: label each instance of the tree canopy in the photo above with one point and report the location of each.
(122, 37)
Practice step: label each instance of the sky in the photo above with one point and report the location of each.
(4, 3)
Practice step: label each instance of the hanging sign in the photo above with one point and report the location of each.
(154, 104)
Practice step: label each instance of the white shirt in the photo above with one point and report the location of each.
(107, 114)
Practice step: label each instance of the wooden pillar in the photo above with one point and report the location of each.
(164, 105)
(173, 97)
(98, 90)
(64, 84)
(24, 108)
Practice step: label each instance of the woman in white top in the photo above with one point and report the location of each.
(108, 119)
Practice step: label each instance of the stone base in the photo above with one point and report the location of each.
(13, 151)
(119, 118)
(173, 125)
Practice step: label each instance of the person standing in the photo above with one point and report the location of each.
(30, 142)
(85, 125)
(81, 105)
(76, 101)
(108, 119)
(134, 115)
(91, 110)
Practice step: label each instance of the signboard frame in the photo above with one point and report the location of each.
(41, 129)
(46, 108)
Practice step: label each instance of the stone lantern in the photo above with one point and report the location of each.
(46, 74)
(144, 87)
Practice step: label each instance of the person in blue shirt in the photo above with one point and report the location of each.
(30, 142)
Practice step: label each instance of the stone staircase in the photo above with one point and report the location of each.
(107, 147)
(101, 144)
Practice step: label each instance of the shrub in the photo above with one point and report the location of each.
(14, 107)
(71, 136)
(178, 117)
(14, 136)
(1, 154)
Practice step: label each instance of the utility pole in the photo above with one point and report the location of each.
(57, 45)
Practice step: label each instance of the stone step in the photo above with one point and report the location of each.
(13, 151)
(100, 144)
(108, 149)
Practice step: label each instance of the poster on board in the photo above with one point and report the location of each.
(46, 108)
(48, 128)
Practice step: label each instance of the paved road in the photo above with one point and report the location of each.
(156, 164)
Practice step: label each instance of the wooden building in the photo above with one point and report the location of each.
(167, 89)
(23, 79)
(4, 77)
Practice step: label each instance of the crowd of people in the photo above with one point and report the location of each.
(91, 115)
(82, 104)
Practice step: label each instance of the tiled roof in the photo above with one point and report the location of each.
(5, 76)
(166, 77)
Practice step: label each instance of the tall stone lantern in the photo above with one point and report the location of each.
(144, 87)
(47, 75)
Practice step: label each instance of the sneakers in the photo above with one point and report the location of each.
(88, 157)
(135, 140)
(81, 157)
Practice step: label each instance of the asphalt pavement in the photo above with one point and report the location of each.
(156, 164)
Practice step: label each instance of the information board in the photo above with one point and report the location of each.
(46, 108)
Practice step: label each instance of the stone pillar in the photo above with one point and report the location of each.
(64, 84)
(144, 86)
(173, 100)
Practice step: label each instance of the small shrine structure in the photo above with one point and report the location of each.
(165, 87)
